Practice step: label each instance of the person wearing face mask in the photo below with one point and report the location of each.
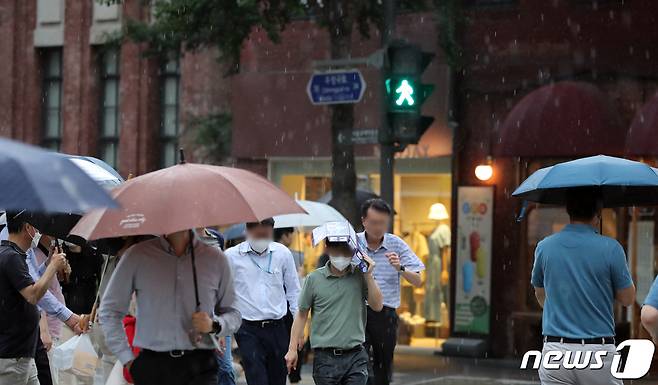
(265, 281)
(19, 295)
(54, 308)
(337, 295)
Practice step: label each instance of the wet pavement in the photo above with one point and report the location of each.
(424, 368)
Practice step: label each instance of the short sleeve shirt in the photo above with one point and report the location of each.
(580, 271)
(19, 320)
(652, 297)
(338, 306)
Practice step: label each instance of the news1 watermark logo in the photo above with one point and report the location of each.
(631, 360)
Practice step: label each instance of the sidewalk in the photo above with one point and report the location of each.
(427, 369)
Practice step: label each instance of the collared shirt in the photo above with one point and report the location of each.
(581, 272)
(338, 305)
(48, 303)
(164, 288)
(387, 278)
(264, 282)
(19, 320)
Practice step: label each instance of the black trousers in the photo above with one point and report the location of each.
(262, 352)
(344, 369)
(43, 364)
(197, 367)
(381, 337)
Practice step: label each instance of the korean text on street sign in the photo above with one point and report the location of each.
(336, 87)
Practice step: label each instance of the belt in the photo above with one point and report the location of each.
(582, 341)
(339, 351)
(263, 323)
(174, 353)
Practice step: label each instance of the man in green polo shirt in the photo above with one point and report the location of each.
(337, 295)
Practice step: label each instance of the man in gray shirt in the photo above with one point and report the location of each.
(172, 333)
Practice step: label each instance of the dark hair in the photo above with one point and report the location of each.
(582, 202)
(16, 221)
(338, 245)
(265, 222)
(376, 204)
(280, 232)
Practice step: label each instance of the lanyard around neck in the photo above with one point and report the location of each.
(269, 263)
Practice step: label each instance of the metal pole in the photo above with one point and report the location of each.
(387, 160)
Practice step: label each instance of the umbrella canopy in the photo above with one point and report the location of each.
(59, 225)
(561, 120)
(186, 196)
(622, 182)
(97, 170)
(317, 214)
(236, 231)
(41, 181)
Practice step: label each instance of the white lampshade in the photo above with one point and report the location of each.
(438, 212)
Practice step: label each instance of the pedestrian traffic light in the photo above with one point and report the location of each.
(405, 93)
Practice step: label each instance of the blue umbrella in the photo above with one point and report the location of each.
(36, 180)
(621, 182)
(98, 170)
(235, 232)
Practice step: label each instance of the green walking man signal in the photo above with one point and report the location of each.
(405, 93)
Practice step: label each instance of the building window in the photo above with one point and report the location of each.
(109, 107)
(169, 119)
(51, 98)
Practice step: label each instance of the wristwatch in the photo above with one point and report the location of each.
(402, 269)
(216, 327)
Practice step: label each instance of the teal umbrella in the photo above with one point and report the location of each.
(620, 182)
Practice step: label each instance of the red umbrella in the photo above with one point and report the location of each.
(641, 139)
(563, 119)
(186, 196)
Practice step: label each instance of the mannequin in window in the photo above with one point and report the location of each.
(438, 265)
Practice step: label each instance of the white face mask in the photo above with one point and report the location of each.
(35, 239)
(259, 245)
(339, 262)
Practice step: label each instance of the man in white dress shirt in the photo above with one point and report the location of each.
(265, 282)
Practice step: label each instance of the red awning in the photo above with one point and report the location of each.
(564, 119)
(642, 139)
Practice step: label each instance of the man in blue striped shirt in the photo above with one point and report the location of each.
(393, 260)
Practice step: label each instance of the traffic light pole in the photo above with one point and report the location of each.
(387, 149)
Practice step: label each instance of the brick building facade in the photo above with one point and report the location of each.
(60, 87)
(65, 87)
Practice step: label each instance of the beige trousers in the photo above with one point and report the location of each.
(18, 371)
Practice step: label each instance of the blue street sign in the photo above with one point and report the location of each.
(336, 87)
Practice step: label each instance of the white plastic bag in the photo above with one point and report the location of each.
(76, 356)
(116, 375)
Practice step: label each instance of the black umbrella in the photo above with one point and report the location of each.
(56, 225)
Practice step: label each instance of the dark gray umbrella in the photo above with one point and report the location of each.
(36, 180)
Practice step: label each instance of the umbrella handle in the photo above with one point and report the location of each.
(194, 277)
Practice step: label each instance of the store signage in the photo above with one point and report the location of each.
(473, 280)
(336, 87)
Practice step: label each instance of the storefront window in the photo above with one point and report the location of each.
(424, 311)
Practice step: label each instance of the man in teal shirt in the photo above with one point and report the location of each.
(577, 276)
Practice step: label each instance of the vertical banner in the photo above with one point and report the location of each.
(473, 280)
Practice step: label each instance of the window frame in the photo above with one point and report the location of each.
(165, 139)
(47, 141)
(105, 77)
